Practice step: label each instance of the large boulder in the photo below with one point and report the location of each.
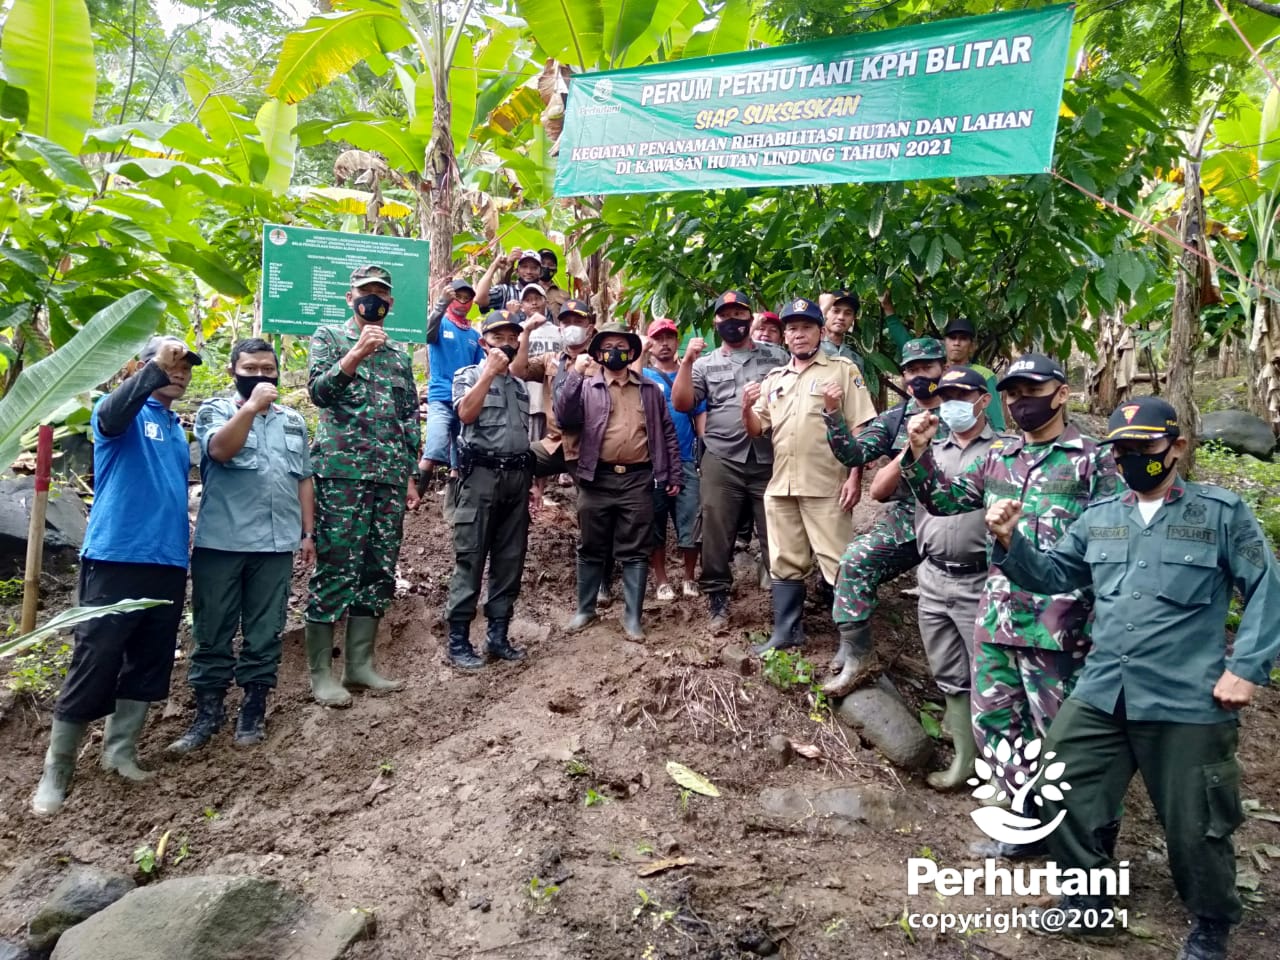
(81, 894)
(64, 525)
(878, 715)
(1239, 431)
(214, 918)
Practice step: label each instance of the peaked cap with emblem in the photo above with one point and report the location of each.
(963, 378)
(730, 297)
(1142, 418)
(497, 319)
(1035, 367)
(802, 309)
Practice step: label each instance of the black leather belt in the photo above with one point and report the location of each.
(624, 467)
(515, 461)
(959, 569)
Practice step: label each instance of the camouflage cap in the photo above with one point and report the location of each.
(363, 276)
(921, 349)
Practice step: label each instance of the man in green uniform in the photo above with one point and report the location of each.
(495, 466)
(1028, 646)
(365, 460)
(1159, 692)
(961, 342)
(888, 549)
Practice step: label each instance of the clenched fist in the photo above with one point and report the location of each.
(263, 396)
(372, 337)
(496, 362)
(833, 396)
(921, 429)
(1002, 518)
(534, 321)
(170, 354)
(585, 365)
(750, 394)
(694, 349)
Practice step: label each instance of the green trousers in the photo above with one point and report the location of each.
(232, 593)
(1192, 778)
(490, 521)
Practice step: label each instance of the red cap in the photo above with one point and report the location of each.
(768, 316)
(661, 325)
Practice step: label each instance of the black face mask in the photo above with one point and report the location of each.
(616, 358)
(923, 388)
(1144, 471)
(509, 350)
(371, 308)
(1032, 413)
(245, 384)
(733, 331)
(548, 273)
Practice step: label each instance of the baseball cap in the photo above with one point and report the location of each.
(580, 307)
(848, 296)
(497, 319)
(530, 255)
(548, 252)
(662, 325)
(730, 297)
(921, 348)
(363, 276)
(801, 309)
(1143, 418)
(153, 347)
(768, 316)
(963, 378)
(959, 325)
(535, 287)
(460, 284)
(1033, 366)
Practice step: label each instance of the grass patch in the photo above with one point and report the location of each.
(1256, 481)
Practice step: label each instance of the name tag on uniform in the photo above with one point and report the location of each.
(447, 334)
(152, 431)
(815, 387)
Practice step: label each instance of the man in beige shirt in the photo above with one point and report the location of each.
(809, 497)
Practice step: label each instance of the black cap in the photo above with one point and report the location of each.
(1143, 418)
(801, 309)
(848, 296)
(580, 307)
(153, 347)
(731, 297)
(497, 319)
(460, 284)
(960, 325)
(1033, 366)
(548, 252)
(963, 378)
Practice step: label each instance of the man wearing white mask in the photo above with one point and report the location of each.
(557, 451)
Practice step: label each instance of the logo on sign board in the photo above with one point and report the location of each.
(603, 91)
(278, 237)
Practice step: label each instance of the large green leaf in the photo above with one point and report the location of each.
(403, 150)
(228, 126)
(1269, 142)
(209, 267)
(463, 86)
(65, 166)
(571, 31)
(625, 21)
(330, 44)
(14, 102)
(729, 35)
(275, 122)
(93, 355)
(663, 16)
(71, 617)
(48, 51)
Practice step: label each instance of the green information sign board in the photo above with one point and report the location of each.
(306, 275)
(965, 97)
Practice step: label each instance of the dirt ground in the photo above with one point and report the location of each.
(456, 812)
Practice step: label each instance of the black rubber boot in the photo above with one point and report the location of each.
(210, 713)
(461, 653)
(590, 576)
(718, 609)
(634, 577)
(497, 643)
(1107, 836)
(788, 613)
(857, 649)
(251, 725)
(1206, 941)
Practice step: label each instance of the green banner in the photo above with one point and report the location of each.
(306, 275)
(957, 98)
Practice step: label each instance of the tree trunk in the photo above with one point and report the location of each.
(442, 168)
(1264, 351)
(1111, 379)
(1184, 336)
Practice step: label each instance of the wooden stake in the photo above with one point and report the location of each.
(35, 532)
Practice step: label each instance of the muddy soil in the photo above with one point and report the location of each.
(525, 811)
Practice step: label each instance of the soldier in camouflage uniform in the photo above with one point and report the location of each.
(364, 456)
(888, 549)
(1028, 647)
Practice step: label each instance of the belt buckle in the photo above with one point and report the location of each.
(619, 468)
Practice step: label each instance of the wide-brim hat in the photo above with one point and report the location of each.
(614, 330)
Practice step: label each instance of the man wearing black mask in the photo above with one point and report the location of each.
(256, 509)
(735, 468)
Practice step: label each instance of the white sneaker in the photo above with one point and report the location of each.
(665, 592)
(691, 589)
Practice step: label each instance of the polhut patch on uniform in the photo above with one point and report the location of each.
(1254, 552)
(1200, 534)
(1108, 533)
(1195, 513)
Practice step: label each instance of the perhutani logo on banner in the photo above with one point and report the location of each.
(1019, 774)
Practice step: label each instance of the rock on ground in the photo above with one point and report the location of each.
(1239, 431)
(878, 715)
(214, 918)
(64, 525)
(81, 894)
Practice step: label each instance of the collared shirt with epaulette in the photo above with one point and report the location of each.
(1162, 594)
(368, 426)
(250, 503)
(502, 429)
(718, 380)
(1055, 482)
(791, 409)
(847, 352)
(961, 538)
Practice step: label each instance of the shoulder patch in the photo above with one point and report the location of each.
(1220, 494)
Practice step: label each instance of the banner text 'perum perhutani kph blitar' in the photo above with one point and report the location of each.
(957, 98)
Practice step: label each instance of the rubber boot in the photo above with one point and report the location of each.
(634, 576)
(718, 610)
(120, 740)
(324, 691)
(251, 725)
(461, 653)
(590, 576)
(210, 713)
(788, 611)
(855, 641)
(1206, 941)
(497, 643)
(59, 767)
(359, 673)
(959, 721)
(604, 596)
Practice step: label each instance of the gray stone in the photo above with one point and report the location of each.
(13, 951)
(81, 894)
(878, 715)
(214, 918)
(736, 659)
(1239, 431)
(64, 525)
(780, 752)
(844, 810)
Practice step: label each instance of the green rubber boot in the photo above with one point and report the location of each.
(59, 767)
(120, 740)
(324, 690)
(358, 672)
(958, 720)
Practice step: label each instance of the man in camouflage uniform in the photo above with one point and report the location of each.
(1028, 647)
(888, 549)
(364, 458)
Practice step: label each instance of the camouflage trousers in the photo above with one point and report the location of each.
(359, 525)
(1017, 691)
(884, 552)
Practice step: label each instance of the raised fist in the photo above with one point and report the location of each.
(921, 429)
(694, 350)
(585, 365)
(497, 362)
(263, 396)
(832, 396)
(170, 354)
(1002, 518)
(750, 394)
